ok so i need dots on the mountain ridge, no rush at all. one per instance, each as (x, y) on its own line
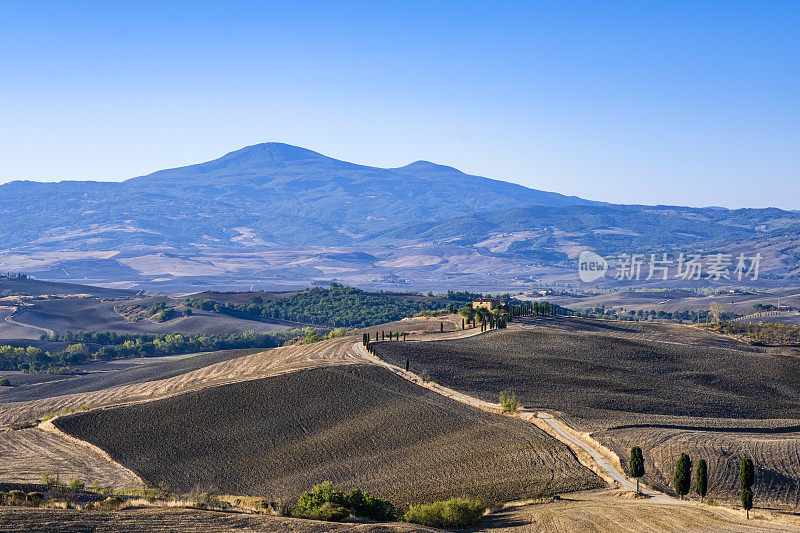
(279, 195)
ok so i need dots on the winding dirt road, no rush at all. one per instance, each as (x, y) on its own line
(559, 427)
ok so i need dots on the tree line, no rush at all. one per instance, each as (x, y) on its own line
(682, 477)
(86, 346)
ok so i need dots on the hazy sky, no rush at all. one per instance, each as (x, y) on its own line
(694, 103)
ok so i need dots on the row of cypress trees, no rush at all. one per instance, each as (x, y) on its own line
(682, 478)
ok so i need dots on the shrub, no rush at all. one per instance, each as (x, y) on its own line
(34, 499)
(48, 479)
(112, 503)
(16, 497)
(48, 416)
(4, 382)
(328, 511)
(366, 505)
(453, 513)
(164, 315)
(76, 484)
(509, 402)
(323, 502)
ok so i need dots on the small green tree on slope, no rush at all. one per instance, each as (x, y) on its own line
(746, 479)
(636, 465)
(683, 475)
(701, 479)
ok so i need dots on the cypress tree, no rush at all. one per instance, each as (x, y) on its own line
(683, 475)
(406, 364)
(746, 479)
(441, 327)
(747, 500)
(636, 465)
(701, 479)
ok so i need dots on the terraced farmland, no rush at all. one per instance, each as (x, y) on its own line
(357, 425)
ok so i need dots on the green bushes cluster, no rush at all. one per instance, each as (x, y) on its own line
(334, 306)
(509, 402)
(453, 513)
(325, 502)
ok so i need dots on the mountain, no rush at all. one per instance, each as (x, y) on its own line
(171, 223)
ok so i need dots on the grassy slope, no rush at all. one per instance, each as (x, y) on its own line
(359, 426)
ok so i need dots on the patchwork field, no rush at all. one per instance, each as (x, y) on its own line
(258, 365)
(358, 426)
(667, 388)
(104, 375)
(92, 314)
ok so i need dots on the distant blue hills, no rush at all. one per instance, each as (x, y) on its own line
(278, 194)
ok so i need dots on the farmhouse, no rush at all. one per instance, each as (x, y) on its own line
(486, 303)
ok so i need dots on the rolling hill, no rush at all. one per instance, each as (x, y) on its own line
(283, 216)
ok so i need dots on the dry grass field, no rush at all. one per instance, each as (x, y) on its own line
(166, 520)
(28, 453)
(608, 512)
(259, 365)
(724, 400)
(107, 374)
(359, 426)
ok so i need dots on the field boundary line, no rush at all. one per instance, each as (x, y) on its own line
(52, 428)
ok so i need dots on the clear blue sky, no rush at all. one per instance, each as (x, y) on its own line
(694, 103)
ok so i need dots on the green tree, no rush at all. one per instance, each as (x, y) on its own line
(636, 465)
(747, 477)
(701, 479)
(747, 501)
(683, 475)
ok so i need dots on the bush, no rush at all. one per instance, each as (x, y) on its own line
(325, 502)
(509, 402)
(76, 484)
(112, 503)
(34, 499)
(4, 382)
(453, 513)
(48, 479)
(16, 497)
(366, 505)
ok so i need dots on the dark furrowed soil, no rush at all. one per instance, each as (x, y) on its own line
(587, 374)
(105, 375)
(166, 520)
(359, 426)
